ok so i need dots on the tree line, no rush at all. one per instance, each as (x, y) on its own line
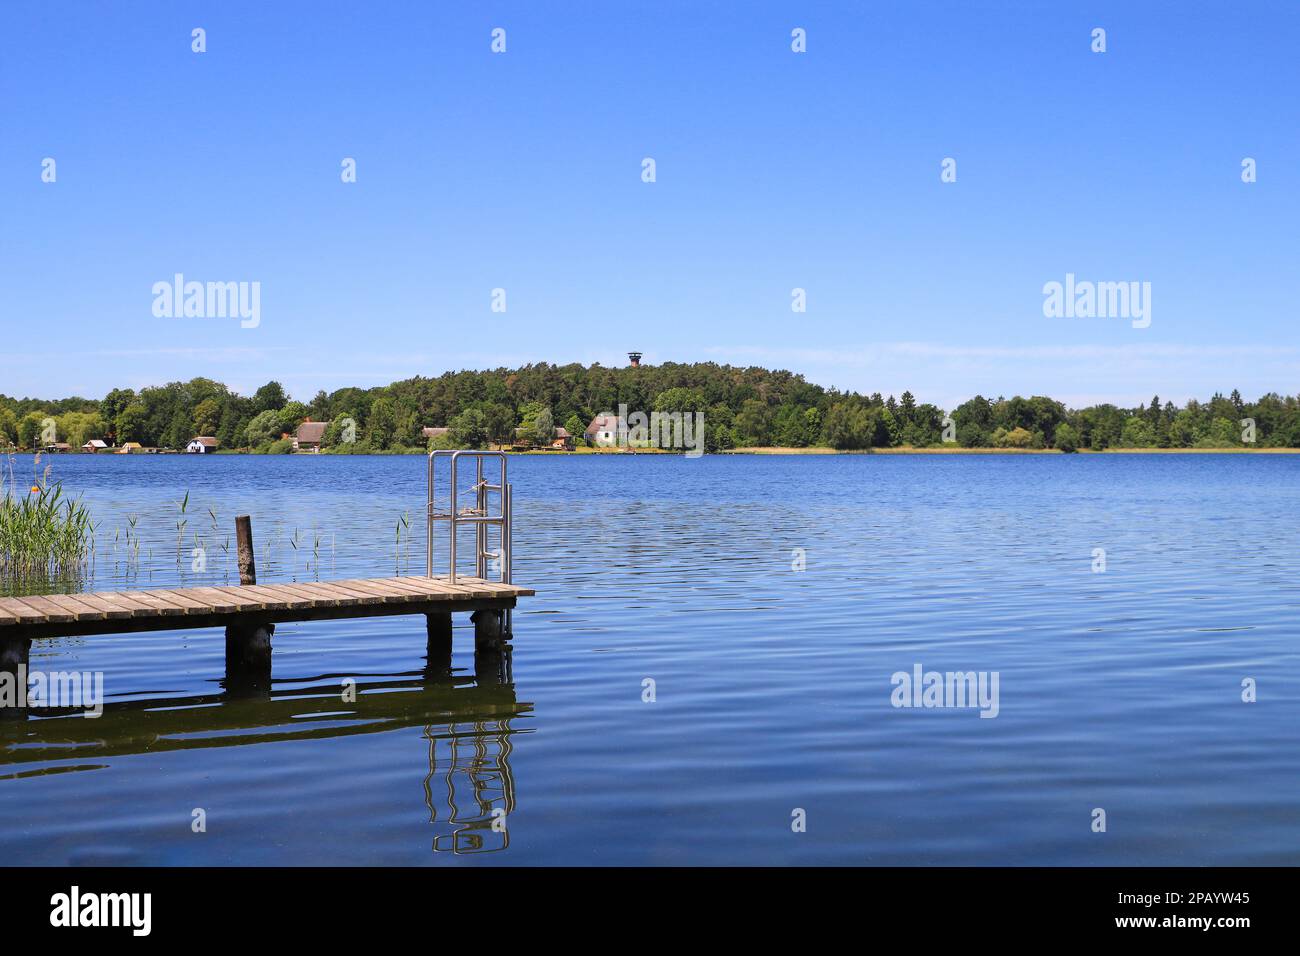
(743, 407)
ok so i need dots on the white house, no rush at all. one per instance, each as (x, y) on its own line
(604, 429)
(201, 445)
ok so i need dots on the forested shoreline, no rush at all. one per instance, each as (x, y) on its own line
(742, 407)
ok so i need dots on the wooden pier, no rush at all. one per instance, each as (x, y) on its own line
(116, 612)
(249, 614)
(250, 611)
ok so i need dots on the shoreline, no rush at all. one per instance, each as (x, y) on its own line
(775, 450)
(905, 450)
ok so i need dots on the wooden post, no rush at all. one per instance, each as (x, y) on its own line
(244, 541)
(492, 664)
(248, 642)
(14, 656)
(487, 626)
(438, 626)
(248, 659)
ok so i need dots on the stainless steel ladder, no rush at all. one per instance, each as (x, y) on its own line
(481, 515)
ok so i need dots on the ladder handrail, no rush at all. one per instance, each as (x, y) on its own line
(481, 517)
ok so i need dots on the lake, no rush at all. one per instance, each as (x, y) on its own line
(1119, 690)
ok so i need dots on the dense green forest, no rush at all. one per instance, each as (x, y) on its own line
(742, 407)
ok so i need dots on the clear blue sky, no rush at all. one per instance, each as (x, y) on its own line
(775, 171)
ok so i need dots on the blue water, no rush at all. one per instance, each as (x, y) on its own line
(1119, 690)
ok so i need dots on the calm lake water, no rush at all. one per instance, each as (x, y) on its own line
(1119, 690)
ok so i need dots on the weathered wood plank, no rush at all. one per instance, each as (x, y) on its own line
(271, 599)
(53, 612)
(408, 587)
(197, 602)
(182, 598)
(80, 610)
(228, 598)
(387, 595)
(348, 596)
(122, 600)
(107, 612)
(20, 613)
(467, 587)
(318, 595)
(160, 607)
(306, 593)
(248, 601)
(114, 610)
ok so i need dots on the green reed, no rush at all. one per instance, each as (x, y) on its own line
(42, 533)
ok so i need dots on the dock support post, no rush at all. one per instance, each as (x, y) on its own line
(488, 626)
(438, 626)
(493, 666)
(248, 643)
(14, 657)
(248, 658)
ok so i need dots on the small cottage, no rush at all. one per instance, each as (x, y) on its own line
(94, 446)
(309, 436)
(604, 429)
(202, 445)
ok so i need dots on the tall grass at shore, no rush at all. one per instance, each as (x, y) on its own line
(42, 533)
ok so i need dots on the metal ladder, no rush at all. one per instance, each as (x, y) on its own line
(480, 515)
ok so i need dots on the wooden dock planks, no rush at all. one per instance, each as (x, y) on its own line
(166, 608)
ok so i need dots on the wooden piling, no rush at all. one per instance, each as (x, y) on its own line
(14, 657)
(488, 627)
(248, 642)
(438, 627)
(13, 652)
(493, 664)
(244, 540)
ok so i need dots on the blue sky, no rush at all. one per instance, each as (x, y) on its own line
(775, 170)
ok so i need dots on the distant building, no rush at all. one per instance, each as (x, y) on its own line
(57, 448)
(604, 429)
(560, 440)
(309, 435)
(434, 432)
(94, 446)
(202, 445)
(634, 358)
(130, 448)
